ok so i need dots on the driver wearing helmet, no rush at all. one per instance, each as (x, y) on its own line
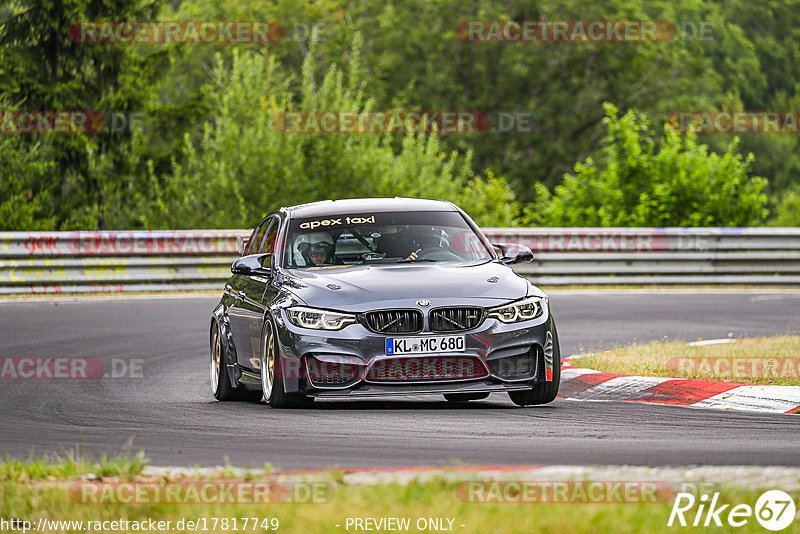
(319, 253)
(314, 250)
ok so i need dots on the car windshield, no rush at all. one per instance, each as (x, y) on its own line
(382, 238)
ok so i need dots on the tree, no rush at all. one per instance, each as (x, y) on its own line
(21, 170)
(242, 165)
(42, 69)
(635, 180)
(419, 61)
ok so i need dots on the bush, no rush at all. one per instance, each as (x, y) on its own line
(635, 181)
(788, 211)
(22, 198)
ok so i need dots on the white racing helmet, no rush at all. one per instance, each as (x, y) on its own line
(303, 243)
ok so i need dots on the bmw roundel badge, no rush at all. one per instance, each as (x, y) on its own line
(424, 303)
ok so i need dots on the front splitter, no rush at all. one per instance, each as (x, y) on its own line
(376, 390)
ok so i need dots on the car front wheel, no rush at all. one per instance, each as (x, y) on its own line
(542, 392)
(272, 389)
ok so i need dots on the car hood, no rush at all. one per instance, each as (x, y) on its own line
(358, 288)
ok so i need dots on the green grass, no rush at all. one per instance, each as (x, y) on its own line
(770, 360)
(71, 466)
(36, 495)
(434, 499)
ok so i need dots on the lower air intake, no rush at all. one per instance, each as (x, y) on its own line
(516, 367)
(427, 368)
(331, 373)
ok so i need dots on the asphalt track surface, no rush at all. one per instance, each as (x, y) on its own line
(169, 413)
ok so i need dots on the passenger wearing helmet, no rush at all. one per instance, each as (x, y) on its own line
(409, 243)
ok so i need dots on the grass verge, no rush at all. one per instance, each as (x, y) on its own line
(769, 361)
(49, 492)
(71, 465)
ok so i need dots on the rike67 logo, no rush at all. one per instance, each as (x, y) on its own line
(774, 510)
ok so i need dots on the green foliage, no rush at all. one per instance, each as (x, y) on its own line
(787, 212)
(637, 181)
(242, 166)
(758, 54)
(209, 155)
(42, 69)
(419, 61)
(21, 199)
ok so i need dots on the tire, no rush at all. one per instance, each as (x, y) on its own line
(464, 397)
(542, 392)
(272, 390)
(220, 380)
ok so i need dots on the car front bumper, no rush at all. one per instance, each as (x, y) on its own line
(515, 357)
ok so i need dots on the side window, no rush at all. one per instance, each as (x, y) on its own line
(257, 237)
(268, 247)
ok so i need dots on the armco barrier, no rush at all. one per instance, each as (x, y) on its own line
(657, 255)
(113, 262)
(89, 262)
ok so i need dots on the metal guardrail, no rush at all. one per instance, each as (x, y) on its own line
(94, 262)
(115, 262)
(602, 256)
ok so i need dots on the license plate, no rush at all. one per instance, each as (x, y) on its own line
(424, 345)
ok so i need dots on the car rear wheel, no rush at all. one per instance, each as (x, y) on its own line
(220, 381)
(464, 397)
(272, 389)
(542, 392)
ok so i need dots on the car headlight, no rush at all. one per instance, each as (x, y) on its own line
(319, 319)
(522, 310)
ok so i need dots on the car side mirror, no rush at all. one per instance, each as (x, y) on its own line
(511, 253)
(260, 264)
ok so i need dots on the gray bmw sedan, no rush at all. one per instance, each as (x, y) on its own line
(381, 296)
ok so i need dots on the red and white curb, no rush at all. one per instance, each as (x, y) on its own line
(587, 384)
